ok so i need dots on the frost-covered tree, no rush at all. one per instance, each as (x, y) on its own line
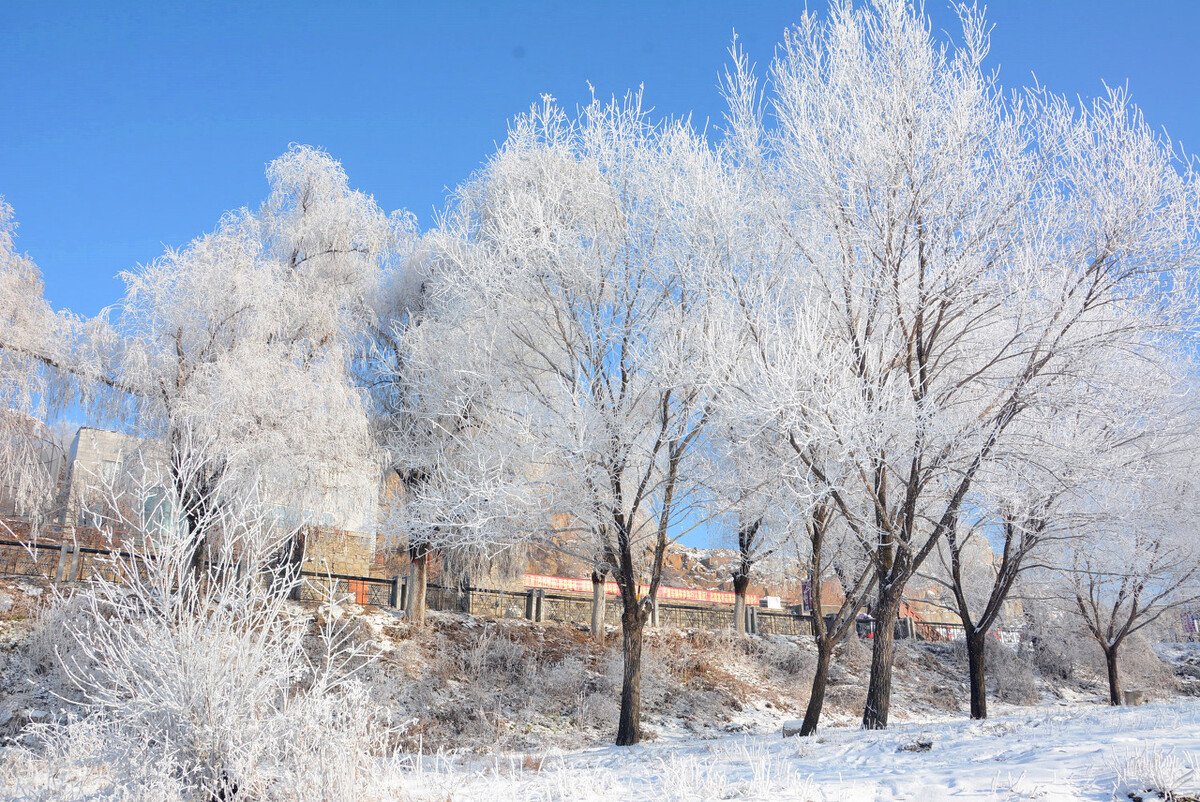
(958, 253)
(744, 502)
(430, 402)
(580, 267)
(1135, 557)
(394, 389)
(45, 364)
(1028, 500)
(244, 337)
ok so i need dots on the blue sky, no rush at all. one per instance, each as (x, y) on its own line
(127, 126)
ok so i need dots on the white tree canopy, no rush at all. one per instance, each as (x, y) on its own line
(48, 360)
(244, 338)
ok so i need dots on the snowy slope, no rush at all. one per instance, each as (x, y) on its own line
(1061, 753)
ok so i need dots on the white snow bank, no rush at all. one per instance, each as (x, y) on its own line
(1068, 753)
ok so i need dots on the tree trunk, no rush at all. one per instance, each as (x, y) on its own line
(629, 727)
(1114, 679)
(598, 608)
(816, 699)
(740, 583)
(417, 579)
(883, 655)
(977, 668)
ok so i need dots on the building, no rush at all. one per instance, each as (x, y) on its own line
(103, 470)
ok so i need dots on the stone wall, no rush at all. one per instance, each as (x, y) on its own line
(335, 551)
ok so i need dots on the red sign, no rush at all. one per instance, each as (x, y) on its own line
(610, 588)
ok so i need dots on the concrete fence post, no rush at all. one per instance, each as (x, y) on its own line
(73, 576)
(64, 562)
(394, 598)
(539, 605)
(751, 620)
(530, 604)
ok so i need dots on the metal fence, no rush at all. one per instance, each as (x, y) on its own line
(40, 560)
(363, 590)
(67, 562)
(540, 605)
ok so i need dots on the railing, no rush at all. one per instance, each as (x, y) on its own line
(930, 631)
(41, 560)
(364, 590)
(66, 562)
(540, 605)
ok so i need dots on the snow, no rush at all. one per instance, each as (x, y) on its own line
(1065, 752)
(702, 746)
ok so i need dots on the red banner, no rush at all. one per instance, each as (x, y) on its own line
(610, 588)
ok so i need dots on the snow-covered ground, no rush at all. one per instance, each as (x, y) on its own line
(1067, 752)
(516, 711)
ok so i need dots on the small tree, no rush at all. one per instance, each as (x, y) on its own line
(831, 555)
(1027, 502)
(1138, 559)
(742, 493)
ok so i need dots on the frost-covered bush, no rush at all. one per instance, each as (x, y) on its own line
(1054, 659)
(1053, 643)
(784, 655)
(1008, 676)
(1143, 669)
(494, 656)
(496, 686)
(45, 650)
(199, 678)
(1158, 774)
(854, 654)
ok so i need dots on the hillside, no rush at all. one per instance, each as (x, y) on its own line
(508, 685)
